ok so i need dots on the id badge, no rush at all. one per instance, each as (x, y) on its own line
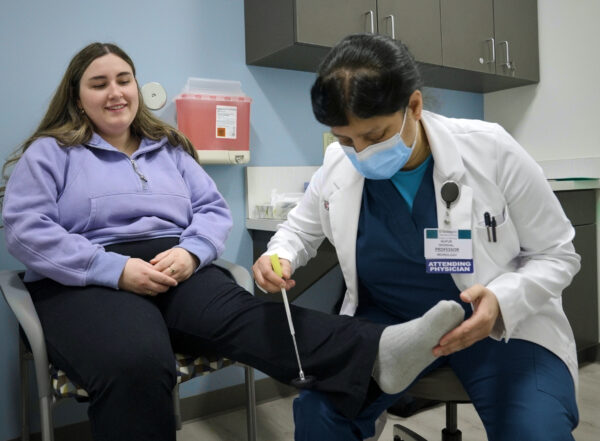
(448, 251)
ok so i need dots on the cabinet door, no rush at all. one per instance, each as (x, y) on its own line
(467, 29)
(416, 23)
(325, 22)
(517, 38)
(580, 299)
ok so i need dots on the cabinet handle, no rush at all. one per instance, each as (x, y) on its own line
(508, 64)
(371, 14)
(391, 17)
(493, 59)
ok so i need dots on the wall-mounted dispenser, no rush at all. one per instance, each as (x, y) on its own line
(215, 116)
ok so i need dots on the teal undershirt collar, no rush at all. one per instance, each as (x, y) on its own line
(408, 182)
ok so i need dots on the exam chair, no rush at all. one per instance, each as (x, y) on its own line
(53, 384)
(440, 385)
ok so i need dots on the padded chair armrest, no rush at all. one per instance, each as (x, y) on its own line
(17, 296)
(239, 273)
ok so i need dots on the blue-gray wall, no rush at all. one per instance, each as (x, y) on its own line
(168, 41)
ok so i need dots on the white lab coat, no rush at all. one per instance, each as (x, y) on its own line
(527, 268)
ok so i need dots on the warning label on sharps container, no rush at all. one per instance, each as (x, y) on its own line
(226, 122)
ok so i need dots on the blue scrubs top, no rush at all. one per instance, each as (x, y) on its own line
(390, 255)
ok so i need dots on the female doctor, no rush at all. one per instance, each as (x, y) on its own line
(420, 208)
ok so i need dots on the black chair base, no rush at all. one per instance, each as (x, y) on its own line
(449, 433)
(402, 433)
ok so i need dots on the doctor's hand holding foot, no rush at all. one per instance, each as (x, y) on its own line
(475, 328)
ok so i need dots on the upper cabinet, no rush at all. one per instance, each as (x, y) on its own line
(491, 36)
(472, 45)
(516, 32)
(324, 23)
(416, 23)
(468, 34)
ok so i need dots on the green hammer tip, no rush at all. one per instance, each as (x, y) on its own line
(275, 264)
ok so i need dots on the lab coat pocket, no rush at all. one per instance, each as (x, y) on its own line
(506, 247)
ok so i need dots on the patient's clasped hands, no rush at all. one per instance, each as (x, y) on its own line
(164, 271)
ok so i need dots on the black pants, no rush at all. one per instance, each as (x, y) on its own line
(119, 346)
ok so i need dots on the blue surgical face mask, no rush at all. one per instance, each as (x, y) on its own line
(384, 159)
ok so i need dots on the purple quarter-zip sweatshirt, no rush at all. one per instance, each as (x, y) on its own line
(64, 204)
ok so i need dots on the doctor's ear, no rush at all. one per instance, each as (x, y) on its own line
(415, 104)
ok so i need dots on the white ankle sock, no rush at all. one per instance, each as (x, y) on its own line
(405, 349)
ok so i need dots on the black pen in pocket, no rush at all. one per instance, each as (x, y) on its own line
(488, 225)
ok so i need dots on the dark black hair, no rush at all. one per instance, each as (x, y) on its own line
(364, 75)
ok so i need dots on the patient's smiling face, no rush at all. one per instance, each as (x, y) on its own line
(108, 94)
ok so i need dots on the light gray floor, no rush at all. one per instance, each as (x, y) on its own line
(275, 419)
